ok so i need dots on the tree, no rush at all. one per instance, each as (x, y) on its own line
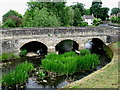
(95, 8)
(57, 8)
(69, 15)
(14, 16)
(103, 13)
(11, 13)
(42, 18)
(77, 17)
(80, 6)
(115, 11)
(9, 23)
(87, 12)
(98, 11)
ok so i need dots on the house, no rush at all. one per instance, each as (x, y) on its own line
(88, 19)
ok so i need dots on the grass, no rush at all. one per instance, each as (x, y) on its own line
(8, 56)
(69, 63)
(107, 77)
(19, 75)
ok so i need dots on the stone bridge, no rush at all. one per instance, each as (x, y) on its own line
(13, 39)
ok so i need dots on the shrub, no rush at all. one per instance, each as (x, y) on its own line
(7, 56)
(19, 75)
(69, 63)
(23, 52)
(97, 21)
(115, 20)
(9, 23)
(83, 24)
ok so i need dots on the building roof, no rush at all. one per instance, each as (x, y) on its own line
(88, 17)
(97, 1)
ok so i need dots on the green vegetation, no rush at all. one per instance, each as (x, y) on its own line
(12, 19)
(42, 18)
(19, 75)
(98, 11)
(23, 52)
(115, 20)
(84, 52)
(8, 56)
(115, 11)
(41, 74)
(107, 77)
(118, 44)
(69, 63)
(97, 21)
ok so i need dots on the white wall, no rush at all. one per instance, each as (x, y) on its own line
(89, 21)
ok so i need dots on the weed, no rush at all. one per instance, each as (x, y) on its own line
(19, 75)
(41, 74)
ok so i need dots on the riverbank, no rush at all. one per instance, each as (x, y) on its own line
(107, 77)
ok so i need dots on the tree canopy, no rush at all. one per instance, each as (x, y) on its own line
(98, 11)
(12, 19)
(115, 11)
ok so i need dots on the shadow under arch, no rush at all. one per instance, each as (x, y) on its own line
(34, 46)
(97, 46)
(66, 46)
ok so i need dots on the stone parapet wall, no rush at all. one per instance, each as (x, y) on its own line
(58, 30)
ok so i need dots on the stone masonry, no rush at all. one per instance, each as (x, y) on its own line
(13, 39)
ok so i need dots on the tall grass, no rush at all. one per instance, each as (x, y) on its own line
(84, 52)
(7, 56)
(19, 75)
(69, 62)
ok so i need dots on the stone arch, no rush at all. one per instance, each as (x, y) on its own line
(66, 45)
(34, 46)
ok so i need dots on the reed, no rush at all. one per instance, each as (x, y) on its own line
(19, 75)
(69, 62)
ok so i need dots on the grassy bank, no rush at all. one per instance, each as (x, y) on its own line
(107, 77)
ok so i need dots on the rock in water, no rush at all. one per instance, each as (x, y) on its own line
(31, 54)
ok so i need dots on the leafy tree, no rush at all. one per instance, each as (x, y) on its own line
(11, 13)
(14, 16)
(103, 13)
(80, 6)
(95, 8)
(115, 11)
(77, 17)
(87, 12)
(69, 15)
(9, 23)
(98, 11)
(57, 8)
(42, 18)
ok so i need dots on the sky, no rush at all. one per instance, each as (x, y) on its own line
(21, 5)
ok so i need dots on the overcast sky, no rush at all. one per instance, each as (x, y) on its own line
(20, 5)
